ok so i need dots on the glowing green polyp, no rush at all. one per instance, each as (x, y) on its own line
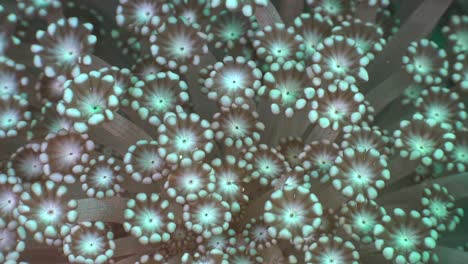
(310, 42)
(192, 184)
(237, 129)
(460, 153)
(93, 105)
(412, 92)
(332, 7)
(8, 121)
(232, 31)
(404, 240)
(102, 177)
(143, 16)
(161, 102)
(227, 186)
(184, 142)
(94, 109)
(337, 67)
(207, 215)
(438, 113)
(232, 83)
(438, 209)
(266, 167)
(49, 214)
(364, 223)
(421, 147)
(280, 50)
(149, 221)
(359, 179)
(68, 56)
(422, 65)
(90, 245)
(289, 94)
(335, 113)
(291, 218)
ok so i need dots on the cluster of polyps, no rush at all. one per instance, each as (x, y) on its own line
(239, 131)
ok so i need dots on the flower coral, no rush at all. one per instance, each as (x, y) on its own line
(89, 242)
(26, 164)
(288, 87)
(367, 36)
(265, 164)
(144, 163)
(358, 219)
(12, 77)
(178, 44)
(61, 152)
(332, 250)
(46, 213)
(9, 23)
(188, 183)
(100, 177)
(277, 43)
(48, 121)
(405, 237)
(359, 174)
(340, 58)
(90, 99)
(50, 89)
(420, 140)
(292, 214)
(14, 115)
(318, 157)
(233, 131)
(364, 138)
(10, 192)
(291, 148)
(232, 31)
(149, 218)
(63, 47)
(337, 105)
(237, 126)
(156, 94)
(314, 29)
(425, 63)
(231, 79)
(440, 205)
(184, 137)
(208, 215)
(441, 106)
(142, 16)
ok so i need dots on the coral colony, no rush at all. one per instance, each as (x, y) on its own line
(234, 131)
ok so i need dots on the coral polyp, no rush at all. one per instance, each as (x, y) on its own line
(45, 212)
(89, 242)
(234, 131)
(90, 99)
(63, 47)
(149, 218)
